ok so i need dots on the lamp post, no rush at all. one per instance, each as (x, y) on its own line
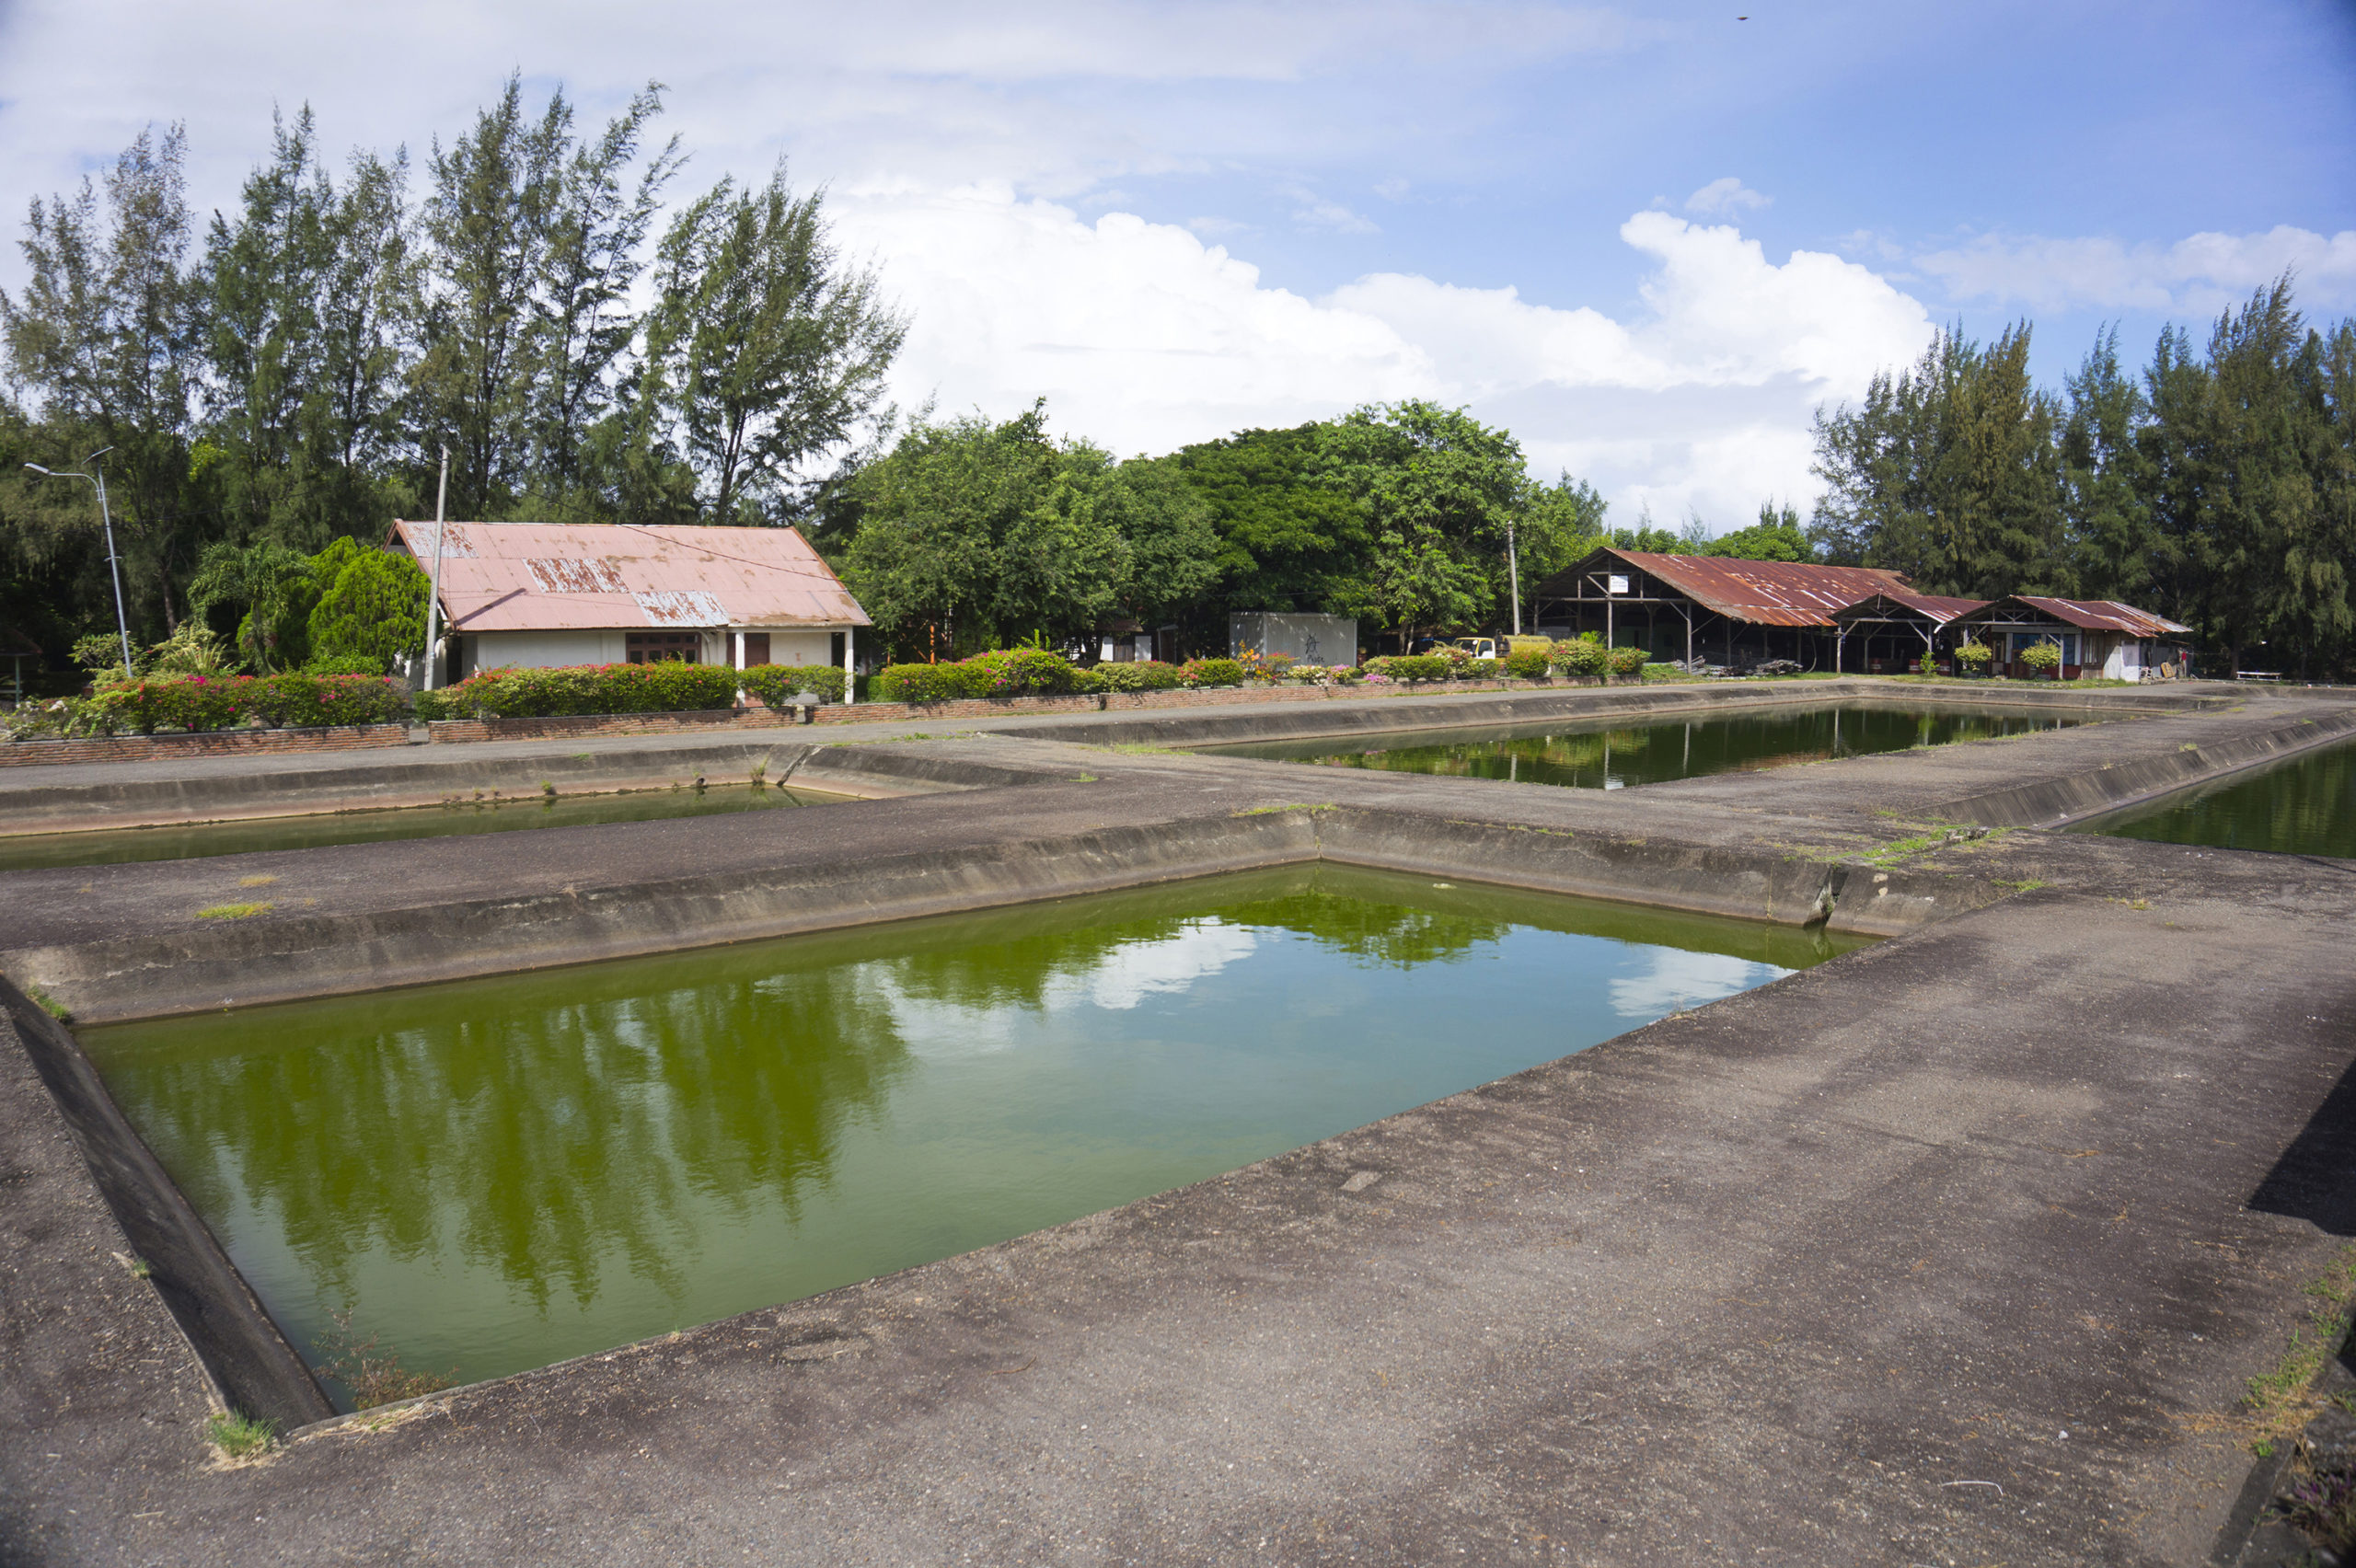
(114, 566)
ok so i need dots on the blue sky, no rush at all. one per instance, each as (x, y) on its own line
(1651, 239)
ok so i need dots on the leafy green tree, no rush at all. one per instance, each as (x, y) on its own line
(2106, 511)
(271, 590)
(372, 605)
(1559, 525)
(1949, 471)
(1437, 488)
(488, 215)
(1172, 546)
(773, 347)
(1286, 541)
(104, 341)
(1777, 536)
(973, 534)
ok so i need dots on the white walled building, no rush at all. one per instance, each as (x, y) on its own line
(551, 594)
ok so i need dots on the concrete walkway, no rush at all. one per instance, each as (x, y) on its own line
(1956, 1249)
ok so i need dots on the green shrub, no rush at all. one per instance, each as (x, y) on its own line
(927, 683)
(667, 687)
(372, 609)
(1212, 672)
(1529, 663)
(2042, 655)
(1660, 672)
(1974, 655)
(300, 700)
(778, 685)
(1144, 674)
(1477, 670)
(1025, 671)
(1584, 656)
(1627, 661)
(1412, 667)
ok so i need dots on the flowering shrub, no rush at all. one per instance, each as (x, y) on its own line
(1144, 674)
(1529, 663)
(1321, 675)
(778, 685)
(669, 686)
(1584, 656)
(218, 702)
(1627, 661)
(1026, 672)
(1212, 672)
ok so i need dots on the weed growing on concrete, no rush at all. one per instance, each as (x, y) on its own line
(2189, 745)
(2025, 884)
(549, 789)
(239, 1436)
(1084, 778)
(2280, 1402)
(48, 1004)
(139, 1267)
(2132, 903)
(375, 1376)
(1269, 810)
(256, 882)
(233, 911)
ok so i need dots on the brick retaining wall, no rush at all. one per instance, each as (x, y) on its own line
(445, 731)
(201, 742)
(1212, 696)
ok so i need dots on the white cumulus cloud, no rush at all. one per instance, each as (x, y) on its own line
(1727, 196)
(1143, 337)
(2202, 274)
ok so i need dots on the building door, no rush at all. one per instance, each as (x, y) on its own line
(757, 650)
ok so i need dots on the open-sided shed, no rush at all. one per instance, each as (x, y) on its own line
(2100, 637)
(1892, 629)
(1687, 606)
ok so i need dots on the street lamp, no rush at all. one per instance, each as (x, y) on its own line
(114, 566)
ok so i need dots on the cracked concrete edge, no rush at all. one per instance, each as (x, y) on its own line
(232, 964)
(2080, 797)
(250, 1366)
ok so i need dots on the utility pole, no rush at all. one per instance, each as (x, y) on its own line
(433, 593)
(114, 565)
(1513, 573)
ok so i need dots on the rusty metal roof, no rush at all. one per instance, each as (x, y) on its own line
(2105, 614)
(2091, 615)
(554, 576)
(1760, 593)
(1936, 607)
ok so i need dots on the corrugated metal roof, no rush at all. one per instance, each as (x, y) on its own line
(553, 576)
(2101, 615)
(1760, 593)
(1936, 607)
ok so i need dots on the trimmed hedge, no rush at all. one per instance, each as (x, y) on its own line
(778, 685)
(224, 702)
(1529, 663)
(1143, 674)
(669, 686)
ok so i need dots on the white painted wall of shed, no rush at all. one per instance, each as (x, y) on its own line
(543, 649)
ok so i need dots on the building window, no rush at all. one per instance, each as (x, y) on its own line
(757, 650)
(655, 647)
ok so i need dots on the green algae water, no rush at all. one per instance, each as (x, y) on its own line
(1602, 755)
(2305, 806)
(495, 1174)
(111, 846)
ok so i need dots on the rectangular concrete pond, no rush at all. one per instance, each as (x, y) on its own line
(1614, 753)
(2303, 806)
(110, 846)
(495, 1174)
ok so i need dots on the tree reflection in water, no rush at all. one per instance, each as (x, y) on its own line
(1592, 757)
(499, 1172)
